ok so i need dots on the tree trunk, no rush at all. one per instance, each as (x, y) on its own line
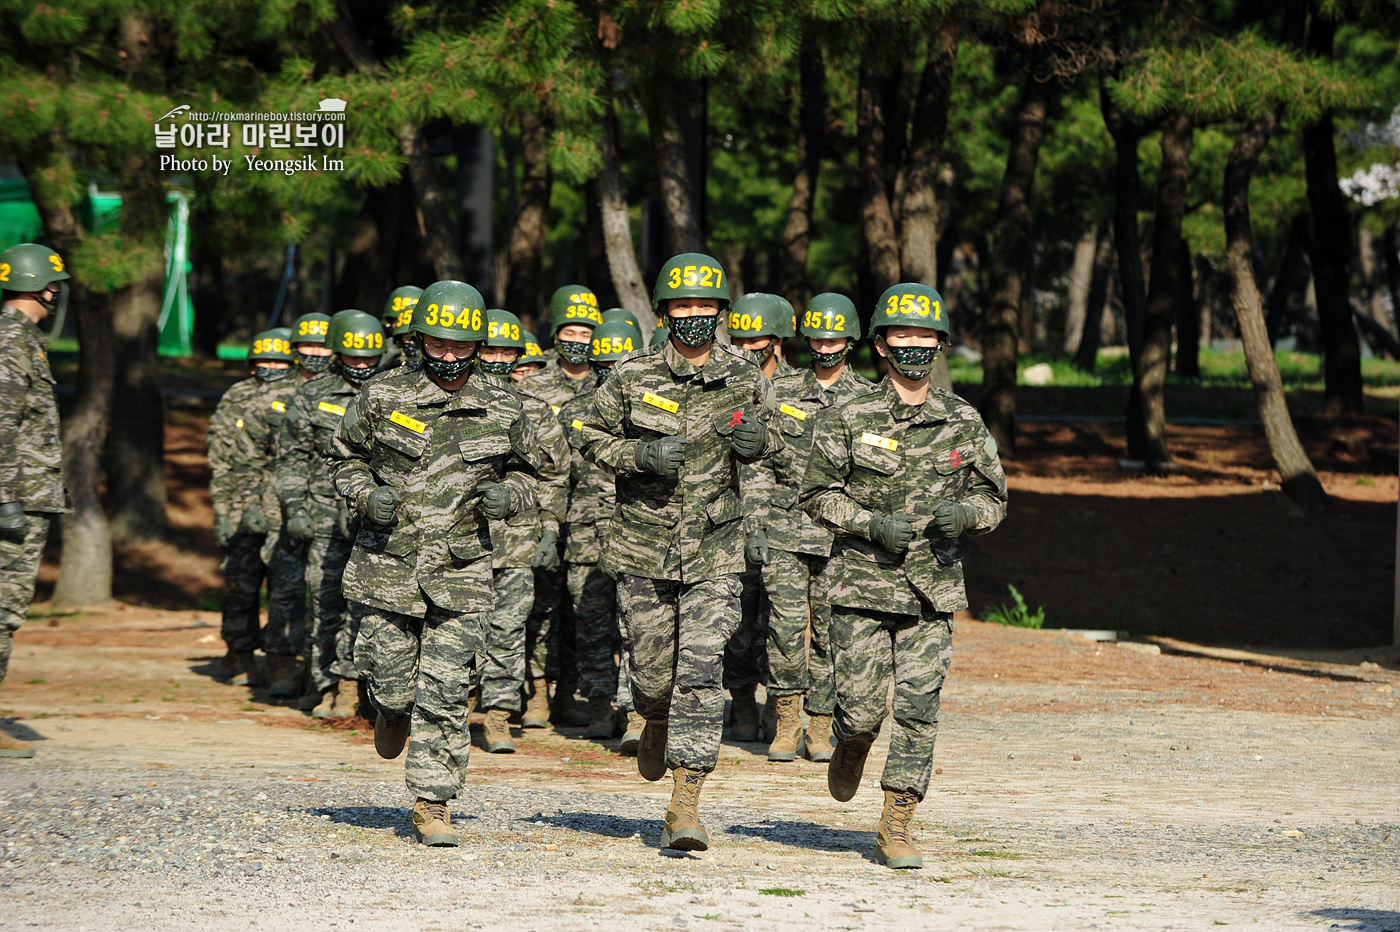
(368, 259)
(1010, 252)
(1331, 252)
(524, 296)
(595, 252)
(1292, 277)
(1390, 247)
(876, 211)
(1299, 479)
(1127, 184)
(793, 283)
(1371, 272)
(1188, 316)
(434, 209)
(1101, 283)
(680, 191)
(1081, 275)
(617, 229)
(1147, 414)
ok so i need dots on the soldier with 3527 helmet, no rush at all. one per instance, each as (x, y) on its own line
(523, 543)
(397, 316)
(244, 439)
(316, 515)
(900, 472)
(427, 458)
(675, 422)
(34, 280)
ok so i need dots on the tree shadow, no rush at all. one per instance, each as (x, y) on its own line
(395, 818)
(1365, 920)
(809, 836)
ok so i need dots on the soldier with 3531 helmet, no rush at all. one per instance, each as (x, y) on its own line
(315, 514)
(532, 361)
(399, 348)
(427, 458)
(675, 422)
(34, 280)
(900, 473)
(522, 543)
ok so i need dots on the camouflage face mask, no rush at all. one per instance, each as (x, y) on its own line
(761, 356)
(827, 360)
(357, 376)
(500, 369)
(448, 371)
(411, 352)
(269, 374)
(602, 371)
(694, 331)
(570, 351)
(313, 364)
(912, 362)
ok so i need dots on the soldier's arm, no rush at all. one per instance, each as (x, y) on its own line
(604, 440)
(765, 407)
(295, 457)
(523, 464)
(987, 492)
(823, 494)
(756, 484)
(221, 485)
(553, 488)
(15, 382)
(351, 448)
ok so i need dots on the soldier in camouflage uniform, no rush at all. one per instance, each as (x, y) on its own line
(900, 473)
(427, 458)
(675, 422)
(243, 440)
(317, 516)
(533, 360)
(31, 458)
(399, 348)
(525, 542)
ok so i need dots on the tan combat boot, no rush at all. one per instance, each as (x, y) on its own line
(432, 824)
(819, 738)
(651, 751)
(347, 697)
(601, 717)
(788, 731)
(495, 736)
(326, 707)
(247, 673)
(683, 829)
(390, 735)
(893, 839)
(284, 673)
(844, 771)
(537, 706)
(11, 746)
(632, 737)
(768, 716)
(564, 709)
(743, 714)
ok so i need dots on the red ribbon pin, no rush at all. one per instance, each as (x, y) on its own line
(954, 459)
(736, 419)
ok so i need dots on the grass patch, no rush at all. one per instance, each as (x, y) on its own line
(1005, 855)
(37, 681)
(1018, 615)
(782, 891)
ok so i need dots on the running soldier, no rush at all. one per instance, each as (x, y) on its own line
(397, 317)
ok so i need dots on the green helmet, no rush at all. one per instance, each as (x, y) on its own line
(450, 311)
(398, 308)
(614, 341)
(830, 316)
(617, 313)
(759, 315)
(660, 335)
(271, 346)
(355, 333)
(502, 329)
(30, 267)
(534, 353)
(691, 275)
(911, 305)
(311, 328)
(573, 304)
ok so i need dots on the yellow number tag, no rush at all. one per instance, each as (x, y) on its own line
(240, 422)
(576, 424)
(279, 407)
(790, 411)
(4, 271)
(875, 440)
(556, 408)
(337, 410)
(665, 404)
(403, 420)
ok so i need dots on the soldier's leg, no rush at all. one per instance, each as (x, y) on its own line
(785, 580)
(323, 619)
(624, 699)
(503, 658)
(708, 616)
(386, 656)
(19, 567)
(243, 576)
(594, 598)
(439, 742)
(744, 650)
(540, 634)
(646, 610)
(340, 659)
(923, 652)
(864, 662)
(286, 598)
(821, 672)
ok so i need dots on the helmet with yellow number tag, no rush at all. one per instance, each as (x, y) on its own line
(359, 336)
(398, 308)
(573, 304)
(614, 341)
(31, 268)
(311, 328)
(626, 316)
(534, 353)
(450, 310)
(911, 305)
(830, 316)
(758, 314)
(690, 275)
(272, 346)
(502, 329)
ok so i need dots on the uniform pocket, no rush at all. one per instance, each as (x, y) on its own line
(723, 509)
(961, 456)
(661, 515)
(410, 443)
(484, 446)
(874, 459)
(650, 418)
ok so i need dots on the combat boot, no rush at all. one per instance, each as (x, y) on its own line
(432, 824)
(228, 664)
(495, 736)
(476, 720)
(537, 705)
(326, 707)
(819, 738)
(632, 737)
(601, 715)
(285, 675)
(683, 830)
(651, 751)
(564, 709)
(11, 746)
(390, 735)
(844, 772)
(788, 732)
(893, 839)
(743, 714)
(247, 673)
(769, 717)
(347, 695)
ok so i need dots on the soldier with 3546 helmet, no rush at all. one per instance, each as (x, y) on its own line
(675, 422)
(316, 515)
(34, 279)
(523, 543)
(427, 458)
(900, 473)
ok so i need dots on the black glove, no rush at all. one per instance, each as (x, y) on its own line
(299, 525)
(253, 521)
(663, 457)
(747, 440)
(756, 548)
(381, 505)
(953, 519)
(14, 526)
(893, 532)
(546, 552)
(495, 501)
(342, 519)
(223, 532)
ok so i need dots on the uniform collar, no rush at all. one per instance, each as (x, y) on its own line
(577, 385)
(932, 411)
(713, 370)
(815, 392)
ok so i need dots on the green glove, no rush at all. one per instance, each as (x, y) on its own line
(253, 521)
(381, 505)
(342, 519)
(14, 526)
(495, 501)
(663, 457)
(952, 519)
(547, 552)
(299, 525)
(223, 532)
(893, 532)
(756, 548)
(748, 438)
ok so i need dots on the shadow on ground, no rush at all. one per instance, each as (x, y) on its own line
(390, 817)
(806, 835)
(1361, 920)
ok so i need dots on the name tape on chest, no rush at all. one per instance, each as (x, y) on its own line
(665, 404)
(279, 407)
(240, 422)
(337, 410)
(793, 412)
(576, 424)
(403, 420)
(875, 440)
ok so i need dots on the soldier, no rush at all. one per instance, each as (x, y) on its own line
(243, 437)
(675, 421)
(309, 339)
(900, 472)
(397, 317)
(427, 458)
(659, 336)
(532, 361)
(526, 542)
(626, 316)
(31, 458)
(317, 516)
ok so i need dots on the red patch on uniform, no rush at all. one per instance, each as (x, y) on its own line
(736, 419)
(954, 459)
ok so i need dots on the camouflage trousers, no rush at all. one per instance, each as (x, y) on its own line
(422, 667)
(869, 649)
(329, 642)
(244, 571)
(594, 597)
(675, 635)
(19, 567)
(745, 660)
(549, 631)
(792, 582)
(623, 697)
(502, 661)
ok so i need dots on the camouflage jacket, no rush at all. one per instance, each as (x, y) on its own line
(682, 527)
(554, 385)
(592, 491)
(875, 454)
(771, 486)
(514, 539)
(31, 458)
(303, 468)
(244, 438)
(437, 448)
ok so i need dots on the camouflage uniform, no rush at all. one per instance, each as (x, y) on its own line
(31, 464)
(677, 543)
(424, 582)
(243, 440)
(892, 615)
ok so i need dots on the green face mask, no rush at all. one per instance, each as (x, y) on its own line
(313, 364)
(411, 352)
(501, 369)
(602, 371)
(761, 356)
(570, 351)
(448, 371)
(268, 374)
(912, 362)
(694, 331)
(357, 376)
(827, 360)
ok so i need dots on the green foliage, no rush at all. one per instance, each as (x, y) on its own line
(1018, 615)
(782, 891)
